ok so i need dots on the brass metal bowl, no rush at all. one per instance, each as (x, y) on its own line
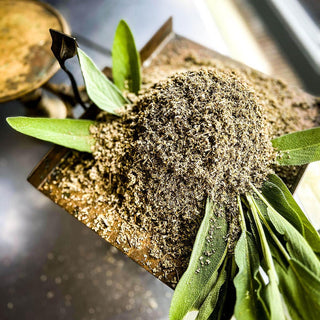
(26, 58)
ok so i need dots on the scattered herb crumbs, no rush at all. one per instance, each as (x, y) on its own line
(197, 134)
(95, 180)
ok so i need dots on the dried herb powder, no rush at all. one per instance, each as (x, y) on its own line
(197, 134)
(203, 131)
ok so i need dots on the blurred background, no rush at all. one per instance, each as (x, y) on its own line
(52, 266)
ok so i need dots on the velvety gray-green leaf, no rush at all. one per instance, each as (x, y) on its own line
(211, 300)
(99, 88)
(299, 147)
(299, 257)
(298, 248)
(281, 199)
(309, 280)
(125, 59)
(293, 294)
(208, 254)
(301, 263)
(279, 202)
(71, 133)
(221, 312)
(273, 298)
(247, 258)
(300, 291)
(227, 296)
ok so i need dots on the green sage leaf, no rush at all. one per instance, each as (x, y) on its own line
(247, 281)
(208, 254)
(125, 59)
(99, 88)
(272, 297)
(276, 254)
(281, 199)
(253, 230)
(283, 204)
(301, 258)
(309, 280)
(298, 248)
(223, 310)
(211, 300)
(224, 307)
(71, 133)
(296, 298)
(299, 147)
(301, 265)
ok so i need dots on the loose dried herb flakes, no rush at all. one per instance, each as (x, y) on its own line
(101, 182)
(197, 134)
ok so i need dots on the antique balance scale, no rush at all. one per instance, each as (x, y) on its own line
(27, 61)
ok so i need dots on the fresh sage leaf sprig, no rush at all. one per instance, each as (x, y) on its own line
(298, 148)
(289, 263)
(125, 59)
(272, 297)
(70, 133)
(278, 273)
(125, 67)
(280, 198)
(298, 302)
(198, 289)
(100, 89)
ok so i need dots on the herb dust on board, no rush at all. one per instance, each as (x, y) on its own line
(198, 133)
(194, 135)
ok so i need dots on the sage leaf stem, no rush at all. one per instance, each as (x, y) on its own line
(267, 226)
(208, 254)
(246, 284)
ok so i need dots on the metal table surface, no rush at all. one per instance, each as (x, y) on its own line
(52, 266)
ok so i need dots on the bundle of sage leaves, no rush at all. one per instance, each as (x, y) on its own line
(274, 271)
